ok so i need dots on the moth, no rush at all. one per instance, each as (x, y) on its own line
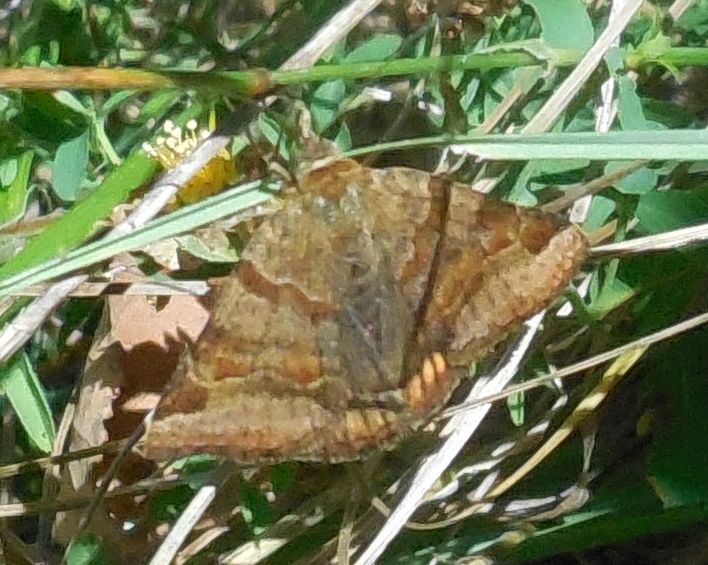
(353, 314)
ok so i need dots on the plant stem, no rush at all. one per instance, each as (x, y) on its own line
(679, 57)
(246, 83)
(255, 82)
(398, 67)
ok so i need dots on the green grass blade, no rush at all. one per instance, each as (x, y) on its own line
(83, 219)
(21, 385)
(181, 221)
(673, 144)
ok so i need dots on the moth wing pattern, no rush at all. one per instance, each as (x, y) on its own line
(353, 313)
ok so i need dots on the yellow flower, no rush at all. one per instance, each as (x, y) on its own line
(178, 143)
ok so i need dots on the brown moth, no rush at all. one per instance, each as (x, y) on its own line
(353, 314)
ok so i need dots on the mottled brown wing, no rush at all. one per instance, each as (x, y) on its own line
(353, 313)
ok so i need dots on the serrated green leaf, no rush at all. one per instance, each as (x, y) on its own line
(69, 168)
(21, 385)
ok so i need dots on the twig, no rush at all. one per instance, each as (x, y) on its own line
(200, 543)
(81, 500)
(653, 243)
(151, 288)
(108, 476)
(20, 329)
(592, 187)
(52, 474)
(335, 29)
(14, 469)
(13, 545)
(679, 8)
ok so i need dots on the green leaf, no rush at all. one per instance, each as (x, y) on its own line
(21, 385)
(631, 117)
(65, 5)
(157, 105)
(343, 138)
(87, 550)
(601, 209)
(663, 211)
(215, 254)
(516, 404)
(69, 169)
(283, 477)
(326, 100)
(565, 23)
(274, 133)
(695, 19)
(614, 59)
(72, 102)
(608, 291)
(47, 118)
(641, 181)
(256, 510)
(13, 199)
(378, 48)
(629, 105)
(8, 171)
